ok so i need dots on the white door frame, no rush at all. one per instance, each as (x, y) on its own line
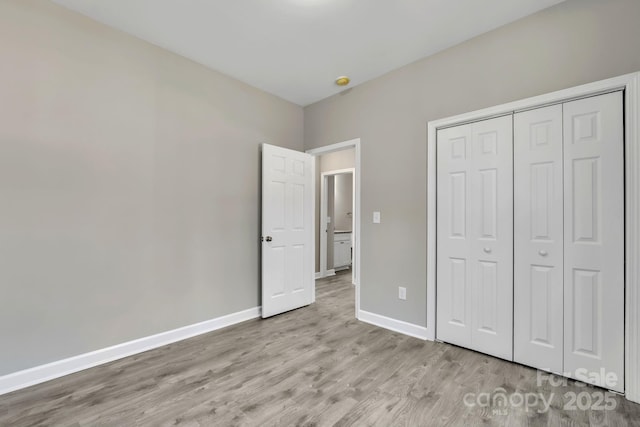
(324, 202)
(353, 143)
(630, 83)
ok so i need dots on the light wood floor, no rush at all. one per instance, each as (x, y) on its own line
(315, 366)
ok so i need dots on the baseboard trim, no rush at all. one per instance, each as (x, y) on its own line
(329, 273)
(393, 324)
(39, 374)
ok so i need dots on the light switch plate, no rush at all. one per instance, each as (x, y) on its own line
(376, 217)
(402, 293)
(328, 220)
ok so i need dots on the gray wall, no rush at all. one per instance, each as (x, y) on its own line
(576, 42)
(129, 183)
(340, 201)
(343, 159)
(330, 227)
(343, 207)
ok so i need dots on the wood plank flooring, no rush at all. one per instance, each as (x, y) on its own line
(316, 366)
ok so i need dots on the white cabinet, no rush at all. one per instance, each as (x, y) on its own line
(341, 250)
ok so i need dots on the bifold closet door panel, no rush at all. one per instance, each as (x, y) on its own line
(475, 236)
(454, 248)
(538, 239)
(491, 221)
(594, 239)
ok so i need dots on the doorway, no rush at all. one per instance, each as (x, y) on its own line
(321, 243)
(337, 188)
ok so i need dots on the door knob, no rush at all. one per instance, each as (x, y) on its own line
(268, 238)
(542, 252)
(487, 250)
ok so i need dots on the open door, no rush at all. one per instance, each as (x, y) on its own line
(287, 230)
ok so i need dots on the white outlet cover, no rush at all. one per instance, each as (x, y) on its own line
(328, 220)
(402, 293)
(376, 217)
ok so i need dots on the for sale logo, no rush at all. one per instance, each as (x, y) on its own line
(602, 378)
(500, 401)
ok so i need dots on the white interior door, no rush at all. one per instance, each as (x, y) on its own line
(475, 236)
(287, 230)
(594, 239)
(538, 239)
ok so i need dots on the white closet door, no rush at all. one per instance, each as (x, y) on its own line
(491, 215)
(475, 236)
(594, 240)
(454, 240)
(538, 239)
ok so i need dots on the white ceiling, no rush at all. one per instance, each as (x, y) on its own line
(296, 48)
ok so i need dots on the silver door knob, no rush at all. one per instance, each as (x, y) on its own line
(542, 252)
(487, 250)
(269, 238)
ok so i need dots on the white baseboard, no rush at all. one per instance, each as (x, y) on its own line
(393, 324)
(50, 371)
(330, 273)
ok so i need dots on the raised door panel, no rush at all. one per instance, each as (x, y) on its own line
(275, 223)
(491, 237)
(538, 239)
(453, 243)
(594, 240)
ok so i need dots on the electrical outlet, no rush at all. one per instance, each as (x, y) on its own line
(376, 217)
(402, 293)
